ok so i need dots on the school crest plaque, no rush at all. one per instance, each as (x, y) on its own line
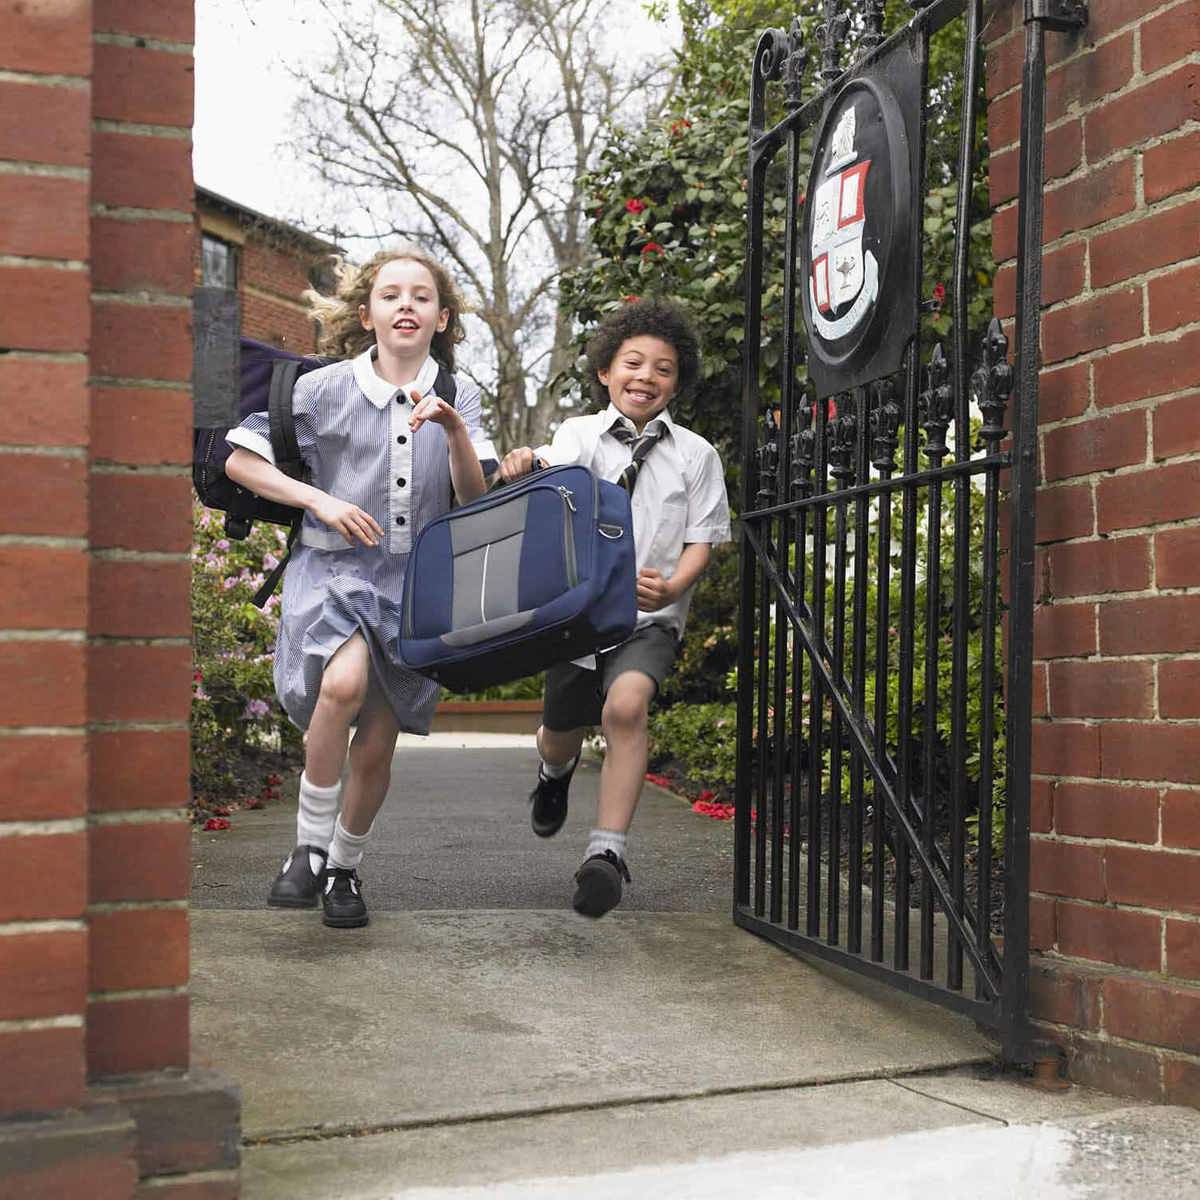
(859, 245)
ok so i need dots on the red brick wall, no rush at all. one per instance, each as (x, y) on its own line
(1116, 845)
(45, 319)
(95, 366)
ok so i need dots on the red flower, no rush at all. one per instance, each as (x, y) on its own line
(939, 296)
(220, 810)
(832, 408)
(631, 298)
(659, 781)
(706, 795)
(709, 808)
(677, 127)
(651, 248)
(216, 823)
(252, 802)
(273, 780)
(635, 206)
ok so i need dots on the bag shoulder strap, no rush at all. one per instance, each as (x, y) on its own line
(279, 410)
(444, 386)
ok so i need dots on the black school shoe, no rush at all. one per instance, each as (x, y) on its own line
(598, 884)
(549, 799)
(342, 899)
(296, 886)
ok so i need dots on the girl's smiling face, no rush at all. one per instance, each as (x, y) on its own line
(404, 311)
(642, 378)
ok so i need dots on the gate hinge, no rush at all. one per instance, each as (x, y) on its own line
(1063, 16)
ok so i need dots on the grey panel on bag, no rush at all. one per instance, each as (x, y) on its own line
(501, 578)
(467, 588)
(471, 634)
(469, 532)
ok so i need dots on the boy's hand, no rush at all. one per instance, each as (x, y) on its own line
(348, 519)
(433, 409)
(653, 590)
(515, 464)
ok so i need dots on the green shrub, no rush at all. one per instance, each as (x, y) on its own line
(700, 738)
(235, 716)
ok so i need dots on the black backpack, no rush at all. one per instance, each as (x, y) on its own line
(266, 377)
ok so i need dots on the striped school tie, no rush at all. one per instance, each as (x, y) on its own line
(642, 445)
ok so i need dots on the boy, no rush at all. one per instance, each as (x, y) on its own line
(640, 358)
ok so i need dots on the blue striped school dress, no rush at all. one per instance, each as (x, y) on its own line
(352, 429)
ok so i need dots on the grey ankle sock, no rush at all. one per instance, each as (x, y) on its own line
(606, 839)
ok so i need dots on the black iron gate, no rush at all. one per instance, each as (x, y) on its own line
(884, 756)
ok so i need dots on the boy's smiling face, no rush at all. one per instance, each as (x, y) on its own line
(642, 378)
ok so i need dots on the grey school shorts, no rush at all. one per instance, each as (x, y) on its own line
(575, 695)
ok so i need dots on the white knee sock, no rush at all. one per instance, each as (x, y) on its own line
(346, 849)
(606, 839)
(318, 808)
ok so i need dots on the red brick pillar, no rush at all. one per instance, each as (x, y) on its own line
(1116, 807)
(95, 363)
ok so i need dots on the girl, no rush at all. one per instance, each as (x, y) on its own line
(385, 455)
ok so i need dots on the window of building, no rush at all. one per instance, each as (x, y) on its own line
(218, 263)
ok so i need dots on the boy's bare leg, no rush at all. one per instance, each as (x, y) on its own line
(370, 761)
(624, 721)
(343, 689)
(558, 748)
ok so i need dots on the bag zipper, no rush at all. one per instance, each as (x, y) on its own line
(568, 498)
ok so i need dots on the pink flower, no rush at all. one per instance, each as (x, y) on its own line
(213, 824)
(631, 298)
(255, 709)
(635, 206)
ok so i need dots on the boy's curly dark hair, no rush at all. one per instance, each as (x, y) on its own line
(645, 318)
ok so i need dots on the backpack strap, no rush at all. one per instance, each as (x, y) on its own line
(284, 446)
(444, 386)
(272, 581)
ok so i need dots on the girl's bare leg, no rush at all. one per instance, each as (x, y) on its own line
(343, 690)
(370, 761)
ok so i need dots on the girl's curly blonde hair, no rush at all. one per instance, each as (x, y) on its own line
(342, 334)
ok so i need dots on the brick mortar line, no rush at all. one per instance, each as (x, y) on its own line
(168, 385)
(1134, 468)
(150, 470)
(51, 170)
(42, 541)
(50, 828)
(1140, 212)
(1076, 839)
(36, 1024)
(1145, 404)
(149, 1187)
(1116, 906)
(1135, 973)
(31, 261)
(1163, 527)
(142, 556)
(21, 634)
(137, 726)
(1140, 280)
(118, 994)
(118, 212)
(1089, 722)
(71, 356)
(137, 42)
(1099, 353)
(77, 83)
(174, 133)
(44, 451)
(101, 639)
(143, 298)
(1146, 784)
(24, 928)
(43, 731)
(140, 816)
(275, 298)
(1151, 656)
(113, 906)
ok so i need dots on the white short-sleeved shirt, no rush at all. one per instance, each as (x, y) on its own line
(679, 497)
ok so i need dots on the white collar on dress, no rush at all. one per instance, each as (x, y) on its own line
(378, 390)
(612, 415)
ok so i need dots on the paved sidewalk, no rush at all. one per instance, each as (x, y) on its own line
(479, 1034)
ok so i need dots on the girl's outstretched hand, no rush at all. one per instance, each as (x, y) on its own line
(348, 519)
(432, 409)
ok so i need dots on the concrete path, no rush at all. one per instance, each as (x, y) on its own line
(478, 1033)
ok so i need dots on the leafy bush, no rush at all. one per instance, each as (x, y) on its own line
(700, 738)
(236, 721)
